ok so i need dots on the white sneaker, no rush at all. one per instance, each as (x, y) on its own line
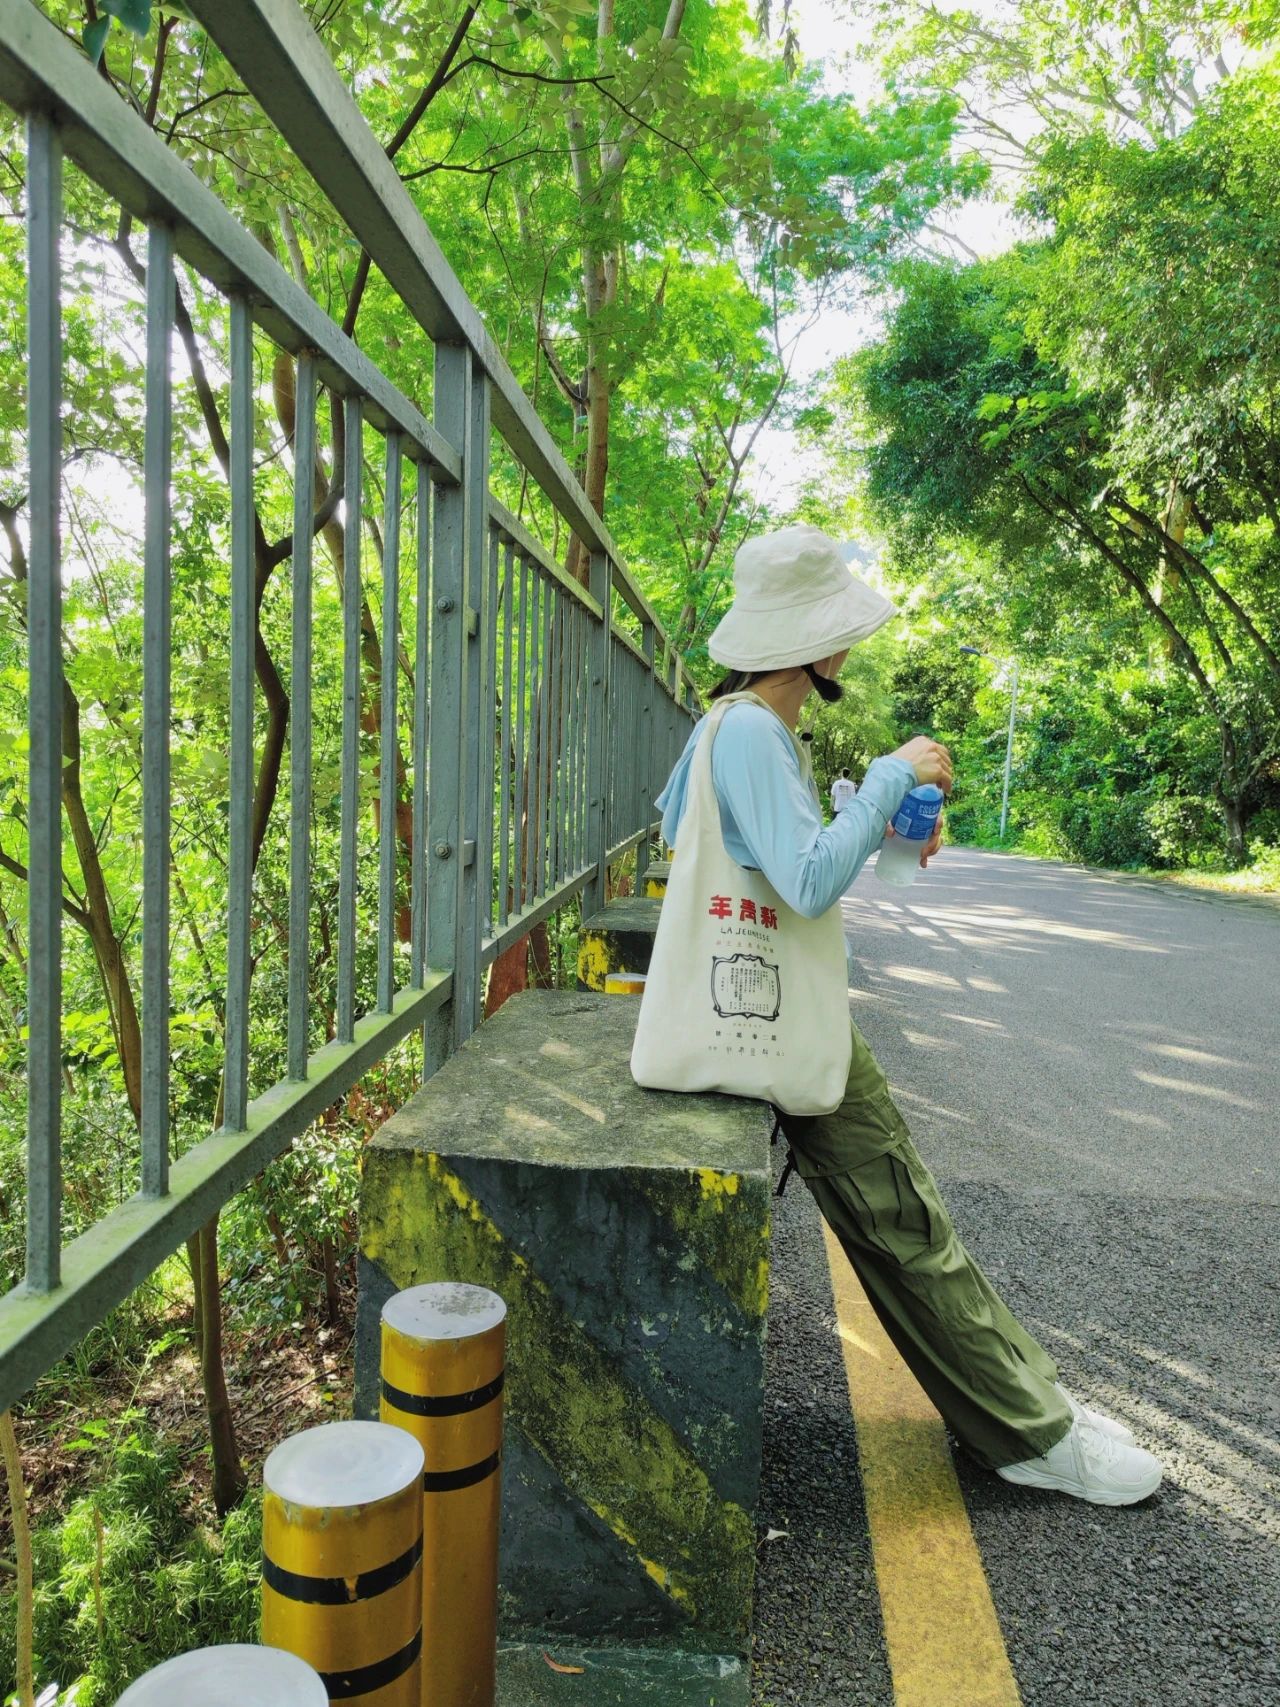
(1090, 1465)
(1105, 1424)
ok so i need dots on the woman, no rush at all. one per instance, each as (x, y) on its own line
(797, 610)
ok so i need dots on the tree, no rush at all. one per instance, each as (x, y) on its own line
(975, 434)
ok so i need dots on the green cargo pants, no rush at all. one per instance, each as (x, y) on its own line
(992, 1383)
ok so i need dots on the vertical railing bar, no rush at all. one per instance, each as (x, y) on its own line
(353, 469)
(476, 741)
(566, 748)
(44, 664)
(507, 787)
(579, 735)
(449, 666)
(156, 671)
(529, 784)
(555, 739)
(304, 463)
(588, 694)
(593, 693)
(571, 737)
(421, 732)
(388, 778)
(623, 823)
(489, 747)
(546, 748)
(647, 739)
(606, 758)
(633, 747)
(538, 710)
(545, 751)
(615, 720)
(240, 780)
(521, 755)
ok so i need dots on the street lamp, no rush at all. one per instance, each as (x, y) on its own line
(977, 652)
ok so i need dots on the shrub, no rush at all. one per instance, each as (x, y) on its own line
(1104, 830)
(1186, 829)
(126, 1579)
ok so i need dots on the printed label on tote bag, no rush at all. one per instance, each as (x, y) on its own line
(745, 987)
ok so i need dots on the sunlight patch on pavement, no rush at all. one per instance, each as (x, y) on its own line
(921, 975)
(1218, 1475)
(1186, 1087)
(968, 1019)
(1132, 1117)
(1198, 1057)
(933, 1107)
(999, 925)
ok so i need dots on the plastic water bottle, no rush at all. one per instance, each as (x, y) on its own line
(913, 824)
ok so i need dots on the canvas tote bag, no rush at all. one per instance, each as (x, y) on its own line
(744, 995)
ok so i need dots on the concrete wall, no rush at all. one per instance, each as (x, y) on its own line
(627, 1231)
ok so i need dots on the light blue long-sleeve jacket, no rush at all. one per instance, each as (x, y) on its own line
(769, 812)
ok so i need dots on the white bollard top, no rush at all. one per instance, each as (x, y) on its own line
(343, 1464)
(238, 1673)
(444, 1310)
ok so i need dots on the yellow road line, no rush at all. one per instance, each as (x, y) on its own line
(941, 1630)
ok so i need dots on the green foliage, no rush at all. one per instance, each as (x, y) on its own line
(123, 1580)
(1072, 447)
(134, 15)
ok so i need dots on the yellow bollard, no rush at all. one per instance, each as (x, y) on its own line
(624, 983)
(443, 1351)
(237, 1673)
(342, 1559)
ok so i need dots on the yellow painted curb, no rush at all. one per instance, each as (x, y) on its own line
(941, 1631)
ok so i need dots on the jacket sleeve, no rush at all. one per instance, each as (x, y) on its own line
(758, 781)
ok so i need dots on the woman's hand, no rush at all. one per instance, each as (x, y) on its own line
(935, 842)
(929, 759)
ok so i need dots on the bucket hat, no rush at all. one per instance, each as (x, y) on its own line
(794, 601)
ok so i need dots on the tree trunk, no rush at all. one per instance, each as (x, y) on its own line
(229, 1479)
(285, 397)
(594, 472)
(197, 1298)
(509, 975)
(25, 1593)
(540, 952)
(332, 1291)
(1236, 820)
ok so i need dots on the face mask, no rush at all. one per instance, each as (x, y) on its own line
(831, 693)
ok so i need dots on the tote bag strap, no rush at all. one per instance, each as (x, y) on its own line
(702, 794)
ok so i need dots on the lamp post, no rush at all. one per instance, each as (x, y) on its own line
(977, 652)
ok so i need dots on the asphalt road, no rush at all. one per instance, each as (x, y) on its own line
(1091, 1066)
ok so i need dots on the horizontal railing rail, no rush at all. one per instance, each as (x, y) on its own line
(519, 726)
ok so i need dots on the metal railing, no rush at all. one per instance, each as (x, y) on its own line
(541, 726)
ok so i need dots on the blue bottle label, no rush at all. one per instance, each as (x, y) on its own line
(916, 817)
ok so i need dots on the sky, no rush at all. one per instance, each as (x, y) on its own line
(826, 32)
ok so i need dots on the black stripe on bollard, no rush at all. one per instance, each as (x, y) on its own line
(340, 1591)
(442, 1404)
(449, 1481)
(342, 1685)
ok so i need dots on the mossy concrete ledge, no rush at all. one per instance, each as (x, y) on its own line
(627, 1231)
(619, 938)
(657, 876)
(620, 1677)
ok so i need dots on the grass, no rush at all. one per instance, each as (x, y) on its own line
(132, 1564)
(1252, 880)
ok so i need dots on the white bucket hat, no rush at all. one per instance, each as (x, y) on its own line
(794, 601)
